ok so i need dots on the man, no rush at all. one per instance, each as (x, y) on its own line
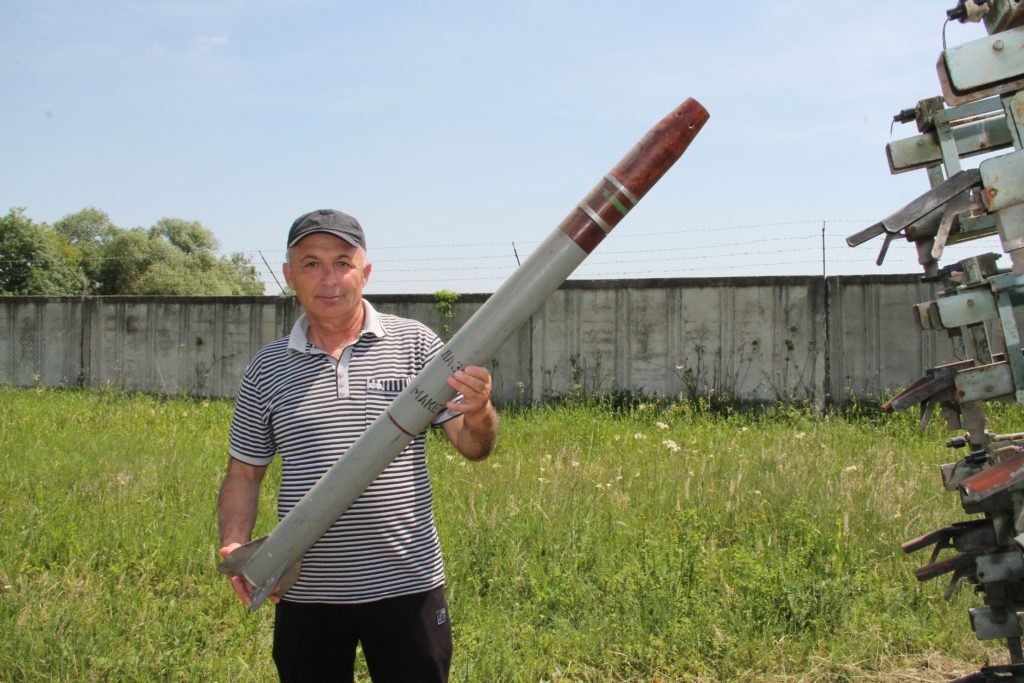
(376, 576)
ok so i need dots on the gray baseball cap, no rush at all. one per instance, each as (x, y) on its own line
(330, 221)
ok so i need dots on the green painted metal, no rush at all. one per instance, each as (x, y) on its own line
(922, 151)
(969, 307)
(1003, 178)
(1003, 14)
(986, 66)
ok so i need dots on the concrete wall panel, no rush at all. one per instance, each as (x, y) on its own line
(875, 344)
(643, 340)
(59, 349)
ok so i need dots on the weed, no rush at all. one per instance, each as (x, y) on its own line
(443, 302)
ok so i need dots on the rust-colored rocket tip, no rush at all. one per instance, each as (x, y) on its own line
(650, 158)
(637, 172)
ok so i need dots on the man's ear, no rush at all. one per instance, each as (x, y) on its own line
(287, 270)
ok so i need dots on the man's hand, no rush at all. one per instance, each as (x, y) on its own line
(243, 587)
(475, 431)
(474, 383)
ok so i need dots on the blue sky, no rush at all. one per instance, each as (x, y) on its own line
(461, 133)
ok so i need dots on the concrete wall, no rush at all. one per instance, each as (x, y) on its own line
(751, 338)
(874, 341)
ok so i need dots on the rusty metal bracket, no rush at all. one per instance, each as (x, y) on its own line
(921, 391)
(920, 207)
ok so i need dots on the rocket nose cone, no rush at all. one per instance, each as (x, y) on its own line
(661, 147)
(677, 130)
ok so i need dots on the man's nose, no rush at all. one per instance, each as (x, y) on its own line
(332, 275)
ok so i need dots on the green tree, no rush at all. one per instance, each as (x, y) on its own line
(241, 275)
(86, 233)
(87, 228)
(125, 260)
(195, 269)
(189, 237)
(36, 260)
(85, 253)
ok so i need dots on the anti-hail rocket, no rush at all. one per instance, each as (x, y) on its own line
(274, 560)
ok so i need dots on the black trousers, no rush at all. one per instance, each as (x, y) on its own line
(405, 640)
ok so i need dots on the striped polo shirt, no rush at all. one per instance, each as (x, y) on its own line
(297, 401)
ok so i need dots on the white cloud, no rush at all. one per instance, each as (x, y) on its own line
(202, 45)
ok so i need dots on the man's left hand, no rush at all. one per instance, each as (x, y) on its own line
(475, 430)
(474, 383)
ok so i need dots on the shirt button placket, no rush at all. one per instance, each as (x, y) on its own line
(341, 374)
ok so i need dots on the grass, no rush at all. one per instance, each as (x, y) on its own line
(642, 543)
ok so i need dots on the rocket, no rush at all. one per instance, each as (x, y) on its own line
(274, 560)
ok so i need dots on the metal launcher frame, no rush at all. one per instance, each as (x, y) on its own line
(980, 306)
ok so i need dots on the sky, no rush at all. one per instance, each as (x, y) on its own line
(461, 133)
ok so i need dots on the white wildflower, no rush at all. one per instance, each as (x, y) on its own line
(661, 425)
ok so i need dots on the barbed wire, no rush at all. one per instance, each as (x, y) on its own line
(632, 236)
(829, 249)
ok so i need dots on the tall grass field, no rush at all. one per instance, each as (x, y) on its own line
(655, 542)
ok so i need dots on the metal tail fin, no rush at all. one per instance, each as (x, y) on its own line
(280, 581)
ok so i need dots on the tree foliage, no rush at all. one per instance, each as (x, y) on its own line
(86, 233)
(85, 253)
(32, 260)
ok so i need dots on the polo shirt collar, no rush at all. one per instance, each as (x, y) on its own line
(299, 341)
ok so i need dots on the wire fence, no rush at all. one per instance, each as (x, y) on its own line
(812, 247)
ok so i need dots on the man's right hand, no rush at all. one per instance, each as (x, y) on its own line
(243, 587)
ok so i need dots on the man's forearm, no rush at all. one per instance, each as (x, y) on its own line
(237, 507)
(478, 433)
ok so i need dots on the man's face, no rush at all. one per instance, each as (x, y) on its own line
(328, 275)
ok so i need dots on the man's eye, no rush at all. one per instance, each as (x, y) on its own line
(312, 264)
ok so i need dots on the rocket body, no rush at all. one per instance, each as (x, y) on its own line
(264, 562)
